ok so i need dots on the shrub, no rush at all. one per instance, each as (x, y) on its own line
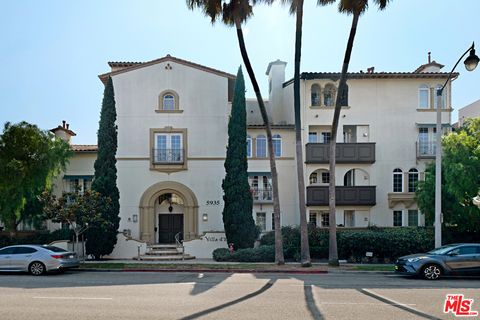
(221, 254)
(260, 254)
(385, 243)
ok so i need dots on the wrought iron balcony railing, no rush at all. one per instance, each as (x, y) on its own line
(167, 156)
(259, 194)
(426, 149)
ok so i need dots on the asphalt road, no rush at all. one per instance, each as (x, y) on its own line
(148, 295)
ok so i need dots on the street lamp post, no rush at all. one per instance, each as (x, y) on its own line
(471, 63)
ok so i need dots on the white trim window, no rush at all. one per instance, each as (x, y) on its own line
(168, 148)
(312, 137)
(443, 99)
(397, 218)
(315, 95)
(261, 221)
(423, 97)
(312, 218)
(277, 145)
(413, 218)
(249, 147)
(412, 180)
(325, 219)
(261, 146)
(168, 102)
(397, 180)
(329, 95)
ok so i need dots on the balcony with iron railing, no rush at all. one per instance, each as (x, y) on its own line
(167, 156)
(261, 194)
(426, 149)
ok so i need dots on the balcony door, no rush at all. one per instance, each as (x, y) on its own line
(168, 148)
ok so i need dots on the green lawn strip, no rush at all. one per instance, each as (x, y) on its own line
(375, 268)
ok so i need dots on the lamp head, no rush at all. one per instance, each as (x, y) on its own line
(472, 60)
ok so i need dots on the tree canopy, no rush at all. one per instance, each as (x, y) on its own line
(460, 180)
(29, 159)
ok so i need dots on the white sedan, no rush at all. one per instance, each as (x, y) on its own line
(36, 259)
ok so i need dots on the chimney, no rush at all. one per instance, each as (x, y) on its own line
(371, 70)
(63, 131)
(429, 57)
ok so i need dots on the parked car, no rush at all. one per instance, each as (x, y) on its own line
(36, 259)
(452, 259)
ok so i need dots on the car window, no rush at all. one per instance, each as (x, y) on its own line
(464, 250)
(442, 250)
(6, 251)
(24, 250)
(54, 249)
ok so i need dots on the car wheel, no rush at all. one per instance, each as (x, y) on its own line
(432, 272)
(36, 268)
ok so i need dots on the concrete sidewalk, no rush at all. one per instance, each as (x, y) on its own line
(210, 265)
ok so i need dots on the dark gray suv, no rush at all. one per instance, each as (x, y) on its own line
(452, 259)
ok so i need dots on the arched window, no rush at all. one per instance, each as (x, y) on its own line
(329, 95)
(315, 95)
(320, 176)
(349, 178)
(277, 145)
(443, 99)
(397, 180)
(423, 97)
(249, 147)
(168, 102)
(261, 146)
(412, 180)
(313, 178)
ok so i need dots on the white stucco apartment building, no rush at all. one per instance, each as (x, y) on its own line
(172, 118)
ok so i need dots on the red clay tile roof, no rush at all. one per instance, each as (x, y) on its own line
(433, 63)
(85, 147)
(129, 66)
(334, 76)
(70, 132)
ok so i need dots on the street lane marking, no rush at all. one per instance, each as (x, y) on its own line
(72, 298)
(367, 303)
(396, 304)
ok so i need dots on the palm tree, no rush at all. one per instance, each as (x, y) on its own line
(356, 8)
(296, 7)
(236, 12)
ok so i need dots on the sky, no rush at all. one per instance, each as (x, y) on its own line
(52, 51)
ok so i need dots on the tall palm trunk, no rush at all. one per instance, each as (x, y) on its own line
(305, 250)
(332, 246)
(279, 259)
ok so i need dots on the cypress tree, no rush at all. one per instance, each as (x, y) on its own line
(102, 238)
(239, 226)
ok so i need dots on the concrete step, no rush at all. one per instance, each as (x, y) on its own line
(162, 246)
(166, 258)
(162, 252)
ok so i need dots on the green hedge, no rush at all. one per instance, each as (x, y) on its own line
(37, 238)
(386, 244)
(260, 254)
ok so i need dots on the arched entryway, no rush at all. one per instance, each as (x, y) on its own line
(157, 206)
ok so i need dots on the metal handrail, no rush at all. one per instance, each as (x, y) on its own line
(167, 156)
(179, 243)
(262, 194)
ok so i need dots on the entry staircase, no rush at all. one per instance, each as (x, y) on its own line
(166, 252)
